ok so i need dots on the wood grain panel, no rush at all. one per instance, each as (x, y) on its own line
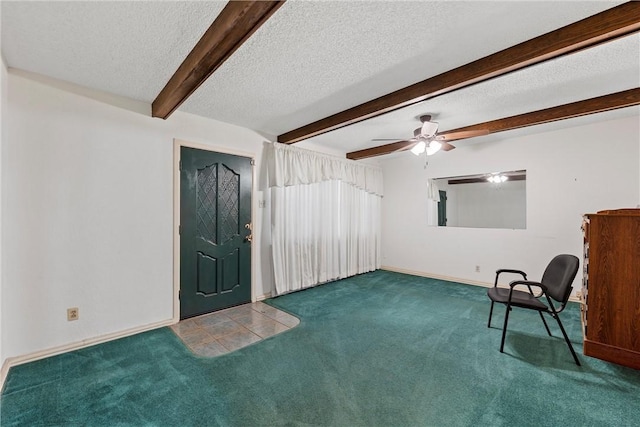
(613, 299)
(613, 23)
(613, 354)
(633, 300)
(601, 281)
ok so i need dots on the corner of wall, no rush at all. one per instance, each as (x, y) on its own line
(3, 103)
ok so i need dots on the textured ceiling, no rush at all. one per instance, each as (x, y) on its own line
(128, 48)
(315, 58)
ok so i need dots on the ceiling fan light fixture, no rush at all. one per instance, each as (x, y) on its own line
(419, 148)
(433, 148)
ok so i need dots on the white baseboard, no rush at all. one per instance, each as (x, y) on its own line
(573, 298)
(436, 276)
(32, 357)
(4, 371)
(263, 297)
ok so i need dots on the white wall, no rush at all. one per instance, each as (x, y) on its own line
(87, 212)
(3, 99)
(568, 174)
(3, 128)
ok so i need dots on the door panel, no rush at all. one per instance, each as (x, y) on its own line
(215, 254)
(230, 271)
(207, 267)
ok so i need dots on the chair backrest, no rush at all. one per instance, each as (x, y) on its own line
(559, 275)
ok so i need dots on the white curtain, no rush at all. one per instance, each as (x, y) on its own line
(288, 165)
(325, 217)
(433, 197)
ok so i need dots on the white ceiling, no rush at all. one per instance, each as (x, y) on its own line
(315, 58)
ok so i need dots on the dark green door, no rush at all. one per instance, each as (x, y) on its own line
(442, 208)
(215, 242)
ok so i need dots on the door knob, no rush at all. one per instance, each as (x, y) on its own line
(249, 227)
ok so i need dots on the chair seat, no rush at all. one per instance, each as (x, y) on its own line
(518, 298)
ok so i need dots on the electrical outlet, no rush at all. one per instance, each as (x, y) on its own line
(477, 269)
(262, 203)
(73, 314)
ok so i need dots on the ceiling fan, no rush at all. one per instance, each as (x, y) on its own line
(427, 139)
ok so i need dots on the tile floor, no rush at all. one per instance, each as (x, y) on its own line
(227, 330)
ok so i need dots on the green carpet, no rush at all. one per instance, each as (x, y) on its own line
(380, 349)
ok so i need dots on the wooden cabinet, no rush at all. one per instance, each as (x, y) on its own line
(611, 286)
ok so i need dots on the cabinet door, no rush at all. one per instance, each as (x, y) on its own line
(613, 289)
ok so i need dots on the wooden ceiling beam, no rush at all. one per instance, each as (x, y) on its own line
(600, 104)
(233, 26)
(613, 23)
(614, 101)
(381, 150)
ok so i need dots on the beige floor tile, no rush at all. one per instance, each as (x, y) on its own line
(253, 318)
(212, 319)
(210, 349)
(239, 339)
(286, 319)
(184, 326)
(198, 336)
(265, 309)
(223, 329)
(280, 316)
(228, 330)
(239, 311)
(268, 329)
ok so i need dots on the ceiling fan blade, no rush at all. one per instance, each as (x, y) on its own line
(453, 136)
(446, 146)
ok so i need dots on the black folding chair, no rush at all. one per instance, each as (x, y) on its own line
(555, 285)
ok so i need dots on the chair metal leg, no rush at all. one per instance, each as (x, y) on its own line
(545, 323)
(490, 313)
(504, 328)
(566, 338)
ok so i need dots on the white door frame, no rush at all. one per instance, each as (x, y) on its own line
(177, 144)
